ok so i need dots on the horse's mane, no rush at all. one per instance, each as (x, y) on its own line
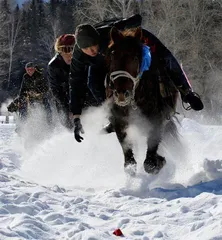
(126, 33)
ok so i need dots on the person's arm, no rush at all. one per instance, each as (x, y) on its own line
(77, 83)
(131, 22)
(164, 57)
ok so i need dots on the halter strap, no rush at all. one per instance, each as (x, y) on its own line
(116, 74)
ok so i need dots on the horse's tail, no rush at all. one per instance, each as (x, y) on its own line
(171, 128)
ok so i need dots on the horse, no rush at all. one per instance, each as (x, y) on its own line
(127, 90)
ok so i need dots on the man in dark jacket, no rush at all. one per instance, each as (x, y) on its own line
(34, 88)
(89, 50)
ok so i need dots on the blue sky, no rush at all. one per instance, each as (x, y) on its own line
(20, 2)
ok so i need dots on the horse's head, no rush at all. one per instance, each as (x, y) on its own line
(124, 60)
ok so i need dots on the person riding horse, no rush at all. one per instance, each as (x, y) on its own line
(34, 88)
(89, 50)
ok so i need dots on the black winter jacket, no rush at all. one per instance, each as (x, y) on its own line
(58, 77)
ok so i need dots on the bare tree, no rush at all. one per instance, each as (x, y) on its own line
(124, 8)
(10, 26)
(199, 26)
(97, 10)
(4, 21)
(188, 28)
(91, 11)
(48, 37)
(13, 31)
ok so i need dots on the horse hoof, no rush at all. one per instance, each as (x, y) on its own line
(154, 163)
(130, 168)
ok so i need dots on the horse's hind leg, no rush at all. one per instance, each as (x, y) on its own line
(154, 162)
(129, 163)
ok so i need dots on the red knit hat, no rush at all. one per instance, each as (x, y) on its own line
(65, 43)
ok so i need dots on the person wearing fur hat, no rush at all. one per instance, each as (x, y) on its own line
(58, 76)
(91, 45)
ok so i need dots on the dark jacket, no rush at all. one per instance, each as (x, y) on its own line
(33, 85)
(161, 56)
(58, 77)
(163, 60)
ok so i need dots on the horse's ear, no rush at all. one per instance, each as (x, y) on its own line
(115, 35)
(139, 33)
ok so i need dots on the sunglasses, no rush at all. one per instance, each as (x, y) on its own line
(65, 49)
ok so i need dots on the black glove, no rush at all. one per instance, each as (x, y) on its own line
(194, 100)
(12, 107)
(78, 129)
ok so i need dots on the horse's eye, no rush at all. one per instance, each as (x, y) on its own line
(136, 59)
(111, 85)
(127, 93)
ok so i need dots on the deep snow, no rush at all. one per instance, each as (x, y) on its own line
(59, 189)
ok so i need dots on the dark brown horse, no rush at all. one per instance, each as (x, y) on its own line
(128, 91)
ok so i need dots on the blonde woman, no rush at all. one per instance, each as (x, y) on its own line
(58, 76)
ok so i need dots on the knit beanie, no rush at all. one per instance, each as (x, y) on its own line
(65, 43)
(29, 65)
(86, 36)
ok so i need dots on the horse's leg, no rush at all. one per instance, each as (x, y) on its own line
(129, 161)
(154, 162)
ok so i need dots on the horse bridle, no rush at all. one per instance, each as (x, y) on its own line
(116, 74)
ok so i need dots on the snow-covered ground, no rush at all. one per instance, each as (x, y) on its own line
(60, 189)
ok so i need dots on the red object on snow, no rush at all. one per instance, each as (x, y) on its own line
(118, 232)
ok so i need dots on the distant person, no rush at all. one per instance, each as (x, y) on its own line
(34, 89)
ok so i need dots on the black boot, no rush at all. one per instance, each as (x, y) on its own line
(194, 100)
